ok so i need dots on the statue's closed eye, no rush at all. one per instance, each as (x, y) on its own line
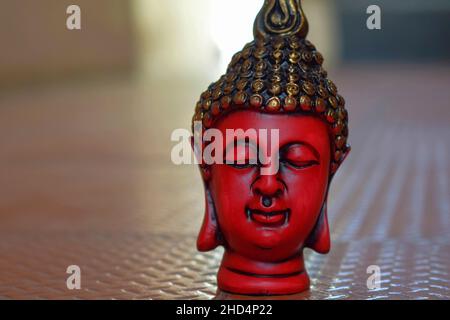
(299, 156)
(242, 155)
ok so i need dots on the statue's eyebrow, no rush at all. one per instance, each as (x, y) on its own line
(303, 144)
(240, 141)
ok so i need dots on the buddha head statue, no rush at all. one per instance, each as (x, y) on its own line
(264, 220)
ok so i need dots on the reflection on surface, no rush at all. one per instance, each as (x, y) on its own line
(228, 296)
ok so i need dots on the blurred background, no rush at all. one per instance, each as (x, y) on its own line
(196, 39)
(86, 117)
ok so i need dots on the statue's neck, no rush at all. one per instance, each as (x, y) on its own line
(241, 275)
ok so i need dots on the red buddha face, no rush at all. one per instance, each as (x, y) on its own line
(269, 218)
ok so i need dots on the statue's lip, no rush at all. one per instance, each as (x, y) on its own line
(276, 218)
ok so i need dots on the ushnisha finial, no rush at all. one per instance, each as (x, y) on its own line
(279, 18)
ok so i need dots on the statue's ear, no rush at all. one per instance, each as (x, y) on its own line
(209, 236)
(319, 239)
(198, 154)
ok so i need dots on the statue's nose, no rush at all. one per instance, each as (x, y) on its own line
(268, 187)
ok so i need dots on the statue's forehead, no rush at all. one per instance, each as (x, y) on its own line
(291, 127)
(253, 119)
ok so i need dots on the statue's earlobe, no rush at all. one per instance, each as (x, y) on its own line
(209, 236)
(319, 240)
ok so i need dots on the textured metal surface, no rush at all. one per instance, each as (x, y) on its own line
(85, 181)
(151, 266)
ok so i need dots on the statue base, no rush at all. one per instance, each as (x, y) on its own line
(238, 275)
